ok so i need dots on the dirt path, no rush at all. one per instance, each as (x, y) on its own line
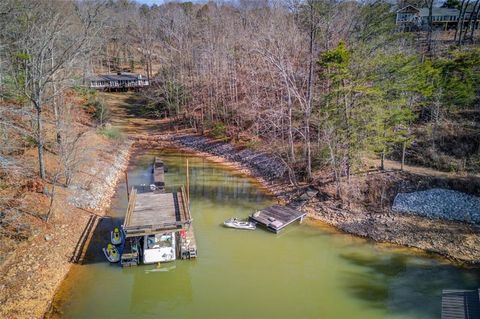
(124, 115)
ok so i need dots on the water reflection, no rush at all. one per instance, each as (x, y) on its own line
(404, 284)
(153, 289)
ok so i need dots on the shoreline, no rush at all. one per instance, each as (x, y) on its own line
(278, 190)
(456, 242)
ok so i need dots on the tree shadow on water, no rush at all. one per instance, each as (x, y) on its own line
(404, 286)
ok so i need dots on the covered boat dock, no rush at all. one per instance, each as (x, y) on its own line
(153, 213)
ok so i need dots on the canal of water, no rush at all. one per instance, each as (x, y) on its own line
(304, 272)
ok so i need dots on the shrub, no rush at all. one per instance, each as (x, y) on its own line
(219, 131)
(85, 91)
(98, 109)
(113, 133)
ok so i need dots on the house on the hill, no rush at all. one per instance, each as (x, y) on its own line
(120, 81)
(411, 17)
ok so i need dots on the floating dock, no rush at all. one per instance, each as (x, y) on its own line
(460, 304)
(277, 217)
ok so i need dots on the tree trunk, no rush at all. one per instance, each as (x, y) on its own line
(348, 131)
(382, 160)
(41, 161)
(55, 100)
(308, 109)
(473, 20)
(384, 150)
(430, 27)
(290, 131)
(458, 21)
(404, 147)
(462, 35)
(461, 21)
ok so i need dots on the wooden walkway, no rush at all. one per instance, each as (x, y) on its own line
(460, 304)
(159, 174)
(277, 217)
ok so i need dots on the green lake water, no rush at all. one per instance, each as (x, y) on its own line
(304, 272)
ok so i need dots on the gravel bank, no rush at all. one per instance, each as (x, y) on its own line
(94, 192)
(262, 164)
(439, 203)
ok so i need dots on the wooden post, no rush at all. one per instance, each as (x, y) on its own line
(188, 185)
(126, 182)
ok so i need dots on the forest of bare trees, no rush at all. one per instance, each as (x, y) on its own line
(320, 84)
(324, 83)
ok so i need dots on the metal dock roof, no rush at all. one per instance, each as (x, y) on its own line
(460, 304)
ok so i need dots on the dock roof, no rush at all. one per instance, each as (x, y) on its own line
(460, 304)
(153, 212)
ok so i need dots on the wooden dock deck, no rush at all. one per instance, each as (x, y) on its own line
(277, 217)
(151, 213)
(460, 304)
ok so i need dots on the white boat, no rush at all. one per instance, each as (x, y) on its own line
(111, 253)
(159, 248)
(239, 224)
(116, 236)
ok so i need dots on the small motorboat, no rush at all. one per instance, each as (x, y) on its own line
(116, 236)
(111, 253)
(239, 224)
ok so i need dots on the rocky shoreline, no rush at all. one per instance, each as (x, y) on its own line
(454, 240)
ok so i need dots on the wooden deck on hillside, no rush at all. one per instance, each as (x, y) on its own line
(460, 304)
(152, 212)
(277, 217)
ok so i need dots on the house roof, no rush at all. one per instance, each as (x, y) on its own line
(123, 76)
(423, 12)
(408, 8)
(439, 12)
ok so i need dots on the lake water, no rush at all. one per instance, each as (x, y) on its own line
(304, 272)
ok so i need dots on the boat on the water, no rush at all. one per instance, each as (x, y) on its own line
(159, 248)
(239, 224)
(116, 236)
(111, 253)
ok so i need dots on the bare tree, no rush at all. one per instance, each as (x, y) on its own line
(52, 36)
